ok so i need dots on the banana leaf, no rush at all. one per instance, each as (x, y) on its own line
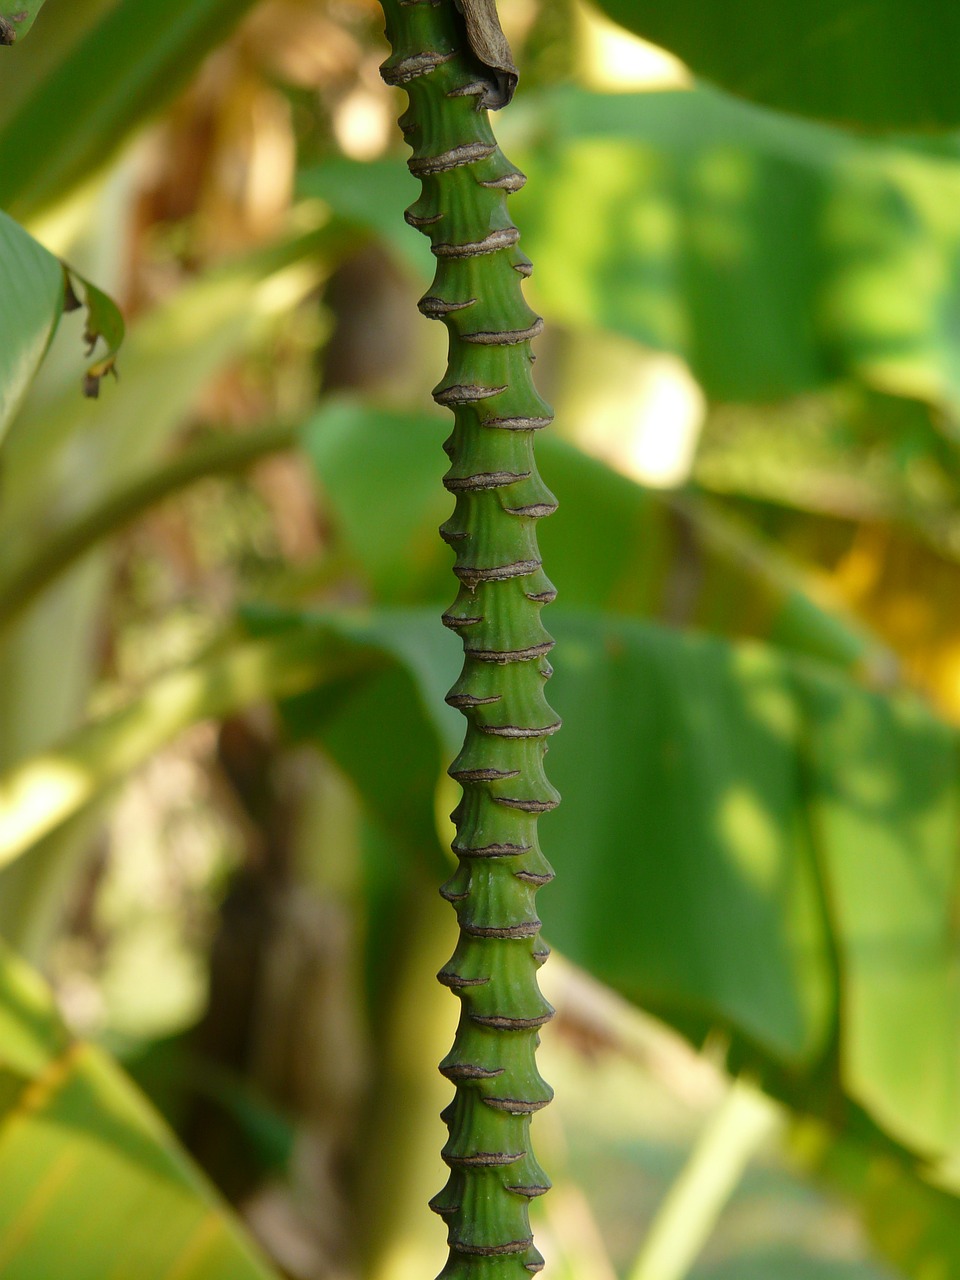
(883, 64)
(774, 255)
(676, 557)
(92, 1183)
(748, 840)
(719, 802)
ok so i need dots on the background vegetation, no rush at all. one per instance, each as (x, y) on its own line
(220, 584)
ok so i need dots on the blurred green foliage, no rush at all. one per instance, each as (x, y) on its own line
(759, 673)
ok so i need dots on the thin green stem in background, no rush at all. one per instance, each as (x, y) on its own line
(742, 1123)
(452, 61)
(21, 585)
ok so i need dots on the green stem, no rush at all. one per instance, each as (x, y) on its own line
(20, 586)
(499, 498)
(686, 1219)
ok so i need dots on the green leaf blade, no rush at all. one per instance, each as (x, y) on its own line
(774, 255)
(881, 64)
(685, 877)
(88, 1171)
(32, 289)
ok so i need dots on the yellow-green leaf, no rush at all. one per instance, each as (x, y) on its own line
(92, 1183)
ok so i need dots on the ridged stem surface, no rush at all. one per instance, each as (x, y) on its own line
(500, 497)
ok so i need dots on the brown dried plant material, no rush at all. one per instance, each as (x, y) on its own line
(489, 46)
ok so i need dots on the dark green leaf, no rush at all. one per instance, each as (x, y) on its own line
(745, 841)
(686, 876)
(885, 64)
(381, 470)
(885, 807)
(120, 68)
(774, 255)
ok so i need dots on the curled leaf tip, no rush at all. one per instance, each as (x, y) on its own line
(490, 48)
(103, 323)
(96, 372)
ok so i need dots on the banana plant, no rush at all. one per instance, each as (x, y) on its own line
(454, 63)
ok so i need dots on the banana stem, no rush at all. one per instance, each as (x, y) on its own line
(447, 56)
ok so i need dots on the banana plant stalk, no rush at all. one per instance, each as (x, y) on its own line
(451, 58)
